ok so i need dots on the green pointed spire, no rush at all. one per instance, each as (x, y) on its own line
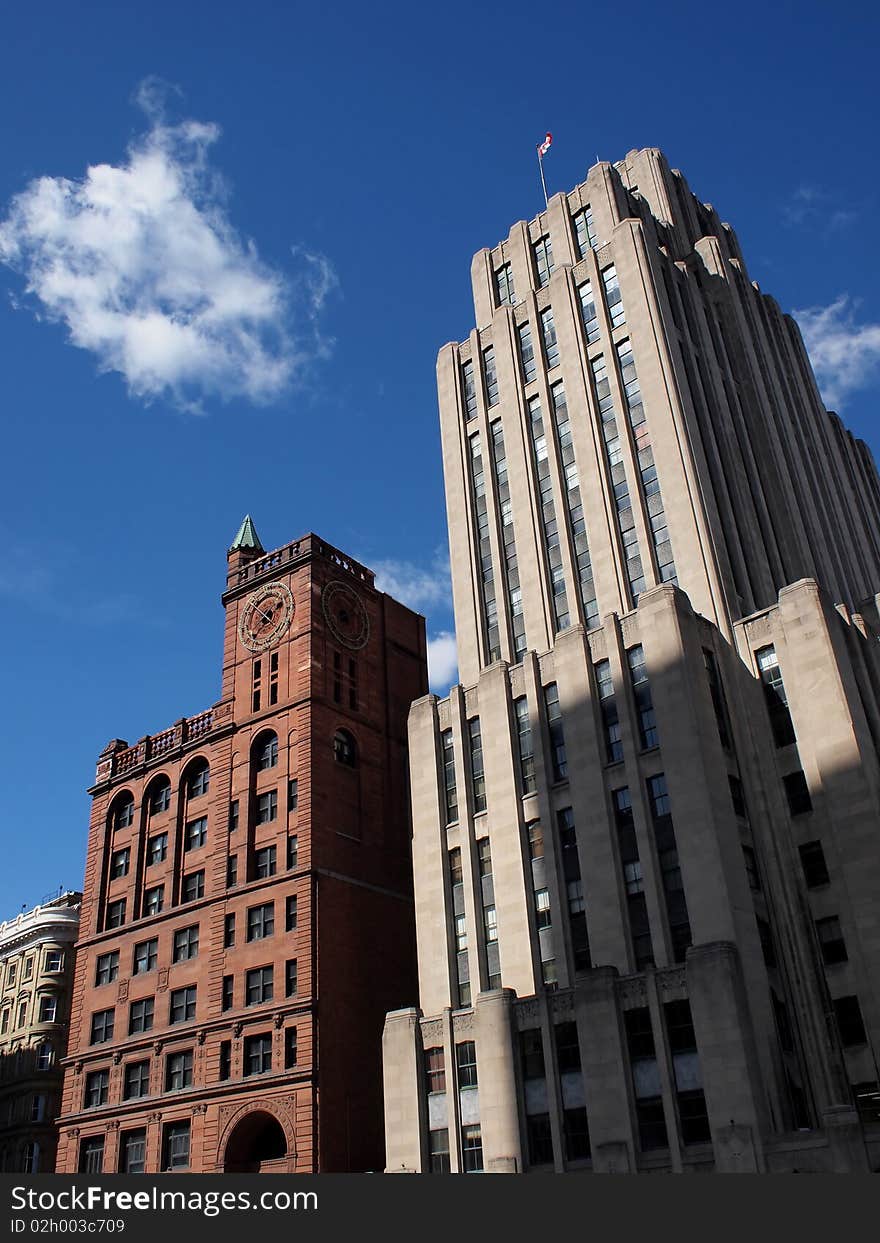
(247, 537)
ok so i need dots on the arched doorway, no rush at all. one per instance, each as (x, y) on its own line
(257, 1145)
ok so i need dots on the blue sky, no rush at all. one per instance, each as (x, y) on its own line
(306, 192)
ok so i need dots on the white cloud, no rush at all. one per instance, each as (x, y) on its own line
(442, 661)
(845, 354)
(413, 585)
(141, 264)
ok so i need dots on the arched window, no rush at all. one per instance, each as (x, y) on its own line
(265, 752)
(159, 796)
(345, 748)
(197, 779)
(122, 814)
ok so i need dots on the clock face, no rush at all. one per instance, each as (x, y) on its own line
(265, 616)
(346, 616)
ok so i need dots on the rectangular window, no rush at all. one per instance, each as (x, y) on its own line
(140, 1016)
(637, 909)
(119, 861)
(798, 794)
(186, 943)
(737, 797)
(504, 291)
(175, 1146)
(97, 1088)
(527, 352)
(179, 1070)
(540, 1139)
(233, 816)
(229, 932)
(183, 1005)
(198, 782)
(531, 1049)
(469, 389)
(290, 1048)
(102, 1026)
(813, 863)
(227, 993)
(107, 968)
(193, 886)
(667, 853)
(157, 848)
(831, 940)
(751, 862)
(645, 1079)
(584, 232)
(160, 799)
(608, 708)
(449, 776)
(225, 1066)
(257, 1054)
(292, 794)
(719, 702)
(612, 296)
(133, 1151)
(273, 679)
(54, 961)
(196, 833)
(849, 1021)
(438, 1151)
(478, 778)
(290, 912)
(466, 1061)
(231, 871)
(91, 1155)
(435, 1072)
(775, 696)
(642, 693)
(267, 753)
(542, 252)
(491, 376)
(256, 685)
(290, 978)
(589, 314)
(576, 1134)
(549, 338)
(115, 914)
(258, 986)
(48, 1009)
(568, 1049)
(471, 1149)
(137, 1080)
(528, 780)
(292, 851)
(154, 900)
(558, 757)
(265, 862)
(260, 921)
(267, 806)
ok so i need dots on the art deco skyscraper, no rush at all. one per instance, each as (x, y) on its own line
(647, 818)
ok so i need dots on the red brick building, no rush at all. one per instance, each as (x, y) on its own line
(247, 916)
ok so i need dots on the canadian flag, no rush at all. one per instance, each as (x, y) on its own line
(544, 147)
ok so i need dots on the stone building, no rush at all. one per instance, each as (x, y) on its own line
(36, 976)
(247, 914)
(646, 821)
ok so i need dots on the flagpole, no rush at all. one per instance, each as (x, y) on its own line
(543, 182)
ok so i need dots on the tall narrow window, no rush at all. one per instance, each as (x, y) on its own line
(490, 917)
(574, 889)
(637, 908)
(469, 390)
(687, 1074)
(574, 503)
(667, 854)
(491, 376)
(549, 338)
(508, 537)
(638, 672)
(775, 696)
(613, 299)
(483, 550)
(584, 231)
(256, 685)
(478, 778)
(626, 523)
(589, 314)
(608, 710)
(528, 782)
(504, 291)
(719, 702)
(558, 757)
(542, 252)
(527, 352)
(273, 678)
(449, 786)
(549, 522)
(459, 927)
(645, 1079)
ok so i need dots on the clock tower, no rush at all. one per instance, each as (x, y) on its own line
(248, 891)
